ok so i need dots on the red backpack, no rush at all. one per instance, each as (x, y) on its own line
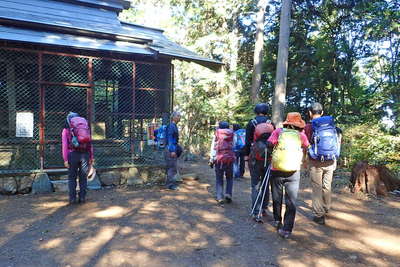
(224, 146)
(80, 133)
(261, 133)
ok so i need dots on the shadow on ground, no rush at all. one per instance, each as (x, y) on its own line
(155, 227)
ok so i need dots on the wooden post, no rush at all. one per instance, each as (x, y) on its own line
(41, 112)
(278, 102)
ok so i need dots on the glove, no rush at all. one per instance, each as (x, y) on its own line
(211, 164)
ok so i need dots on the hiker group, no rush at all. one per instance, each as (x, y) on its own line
(275, 156)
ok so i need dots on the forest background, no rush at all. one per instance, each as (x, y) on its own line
(344, 54)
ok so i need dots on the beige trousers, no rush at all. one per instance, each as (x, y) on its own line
(321, 174)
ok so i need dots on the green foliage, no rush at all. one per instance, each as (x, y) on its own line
(371, 143)
(344, 54)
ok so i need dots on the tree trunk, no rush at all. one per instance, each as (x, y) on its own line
(278, 101)
(258, 52)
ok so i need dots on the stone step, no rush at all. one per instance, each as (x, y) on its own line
(62, 185)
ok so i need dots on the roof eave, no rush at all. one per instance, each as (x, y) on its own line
(210, 64)
(70, 30)
(113, 5)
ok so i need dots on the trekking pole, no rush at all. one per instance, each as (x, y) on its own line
(259, 191)
(265, 157)
(264, 189)
(258, 196)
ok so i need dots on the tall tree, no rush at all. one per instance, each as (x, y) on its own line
(278, 101)
(258, 51)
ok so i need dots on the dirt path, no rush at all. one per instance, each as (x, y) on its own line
(154, 227)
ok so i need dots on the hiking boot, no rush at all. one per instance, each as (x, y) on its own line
(320, 220)
(228, 199)
(173, 187)
(257, 219)
(284, 234)
(277, 224)
(220, 202)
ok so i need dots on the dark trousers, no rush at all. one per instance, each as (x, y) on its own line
(257, 173)
(238, 165)
(78, 164)
(172, 169)
(289, 181)
(221, 170)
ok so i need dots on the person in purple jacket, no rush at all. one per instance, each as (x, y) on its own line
(78, 161)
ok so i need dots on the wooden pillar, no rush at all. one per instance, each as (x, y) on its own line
(41, 112)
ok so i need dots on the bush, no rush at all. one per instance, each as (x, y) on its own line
(371, 143)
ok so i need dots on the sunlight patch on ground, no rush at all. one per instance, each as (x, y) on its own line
(195, 238)
(53, 204)
(123, 258)
(162, 242)
(211, 201)
(111, 212)
(205, 229)
(384, 242)
(91, 245)
(350, 244)
(350, 218)
(351, 208)
(150, 207)
(377, 261)
(394, 204)
(287, 261)
(181, 197)
(53, 243)
(326, 262)
(77, 221)
(308, 261)
(211, 217)
(307, 229)
(15, 228)
(126, 230)
(339, 224)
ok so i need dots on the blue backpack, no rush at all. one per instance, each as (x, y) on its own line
(325, 140)
(162, 137)
(240, 139)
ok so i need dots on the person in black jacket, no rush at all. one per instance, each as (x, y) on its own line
(257, 169)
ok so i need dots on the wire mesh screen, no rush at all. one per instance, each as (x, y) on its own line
(124, 102)
(19, 141)
(58, 101)
(152, 98)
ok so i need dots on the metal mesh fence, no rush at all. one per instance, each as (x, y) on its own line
(19, 147)
(124, 101)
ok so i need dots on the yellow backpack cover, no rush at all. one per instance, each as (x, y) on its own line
(287, 154)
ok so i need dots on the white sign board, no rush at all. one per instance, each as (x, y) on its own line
(24, 124)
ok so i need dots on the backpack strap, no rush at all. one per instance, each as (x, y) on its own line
(254, 122)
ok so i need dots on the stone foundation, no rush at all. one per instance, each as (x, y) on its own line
(132, 176)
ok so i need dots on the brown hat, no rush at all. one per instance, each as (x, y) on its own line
(294, 118)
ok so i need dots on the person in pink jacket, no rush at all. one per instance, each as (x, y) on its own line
(77, 159)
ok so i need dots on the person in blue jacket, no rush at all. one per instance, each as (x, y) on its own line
(172, 151)
(239, 141)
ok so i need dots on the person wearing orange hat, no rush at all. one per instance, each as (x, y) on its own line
(289, 147)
